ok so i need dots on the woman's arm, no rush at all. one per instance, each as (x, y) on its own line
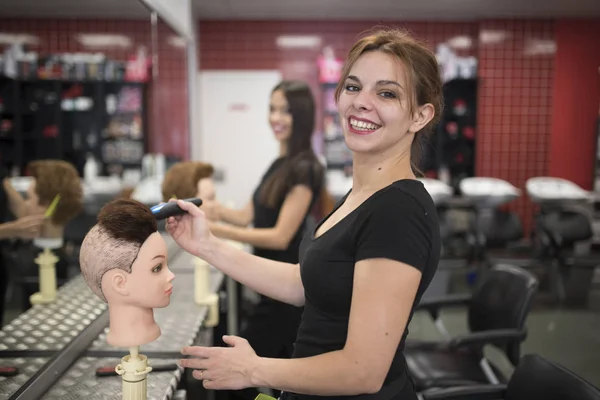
(274, 279)
(290, 219)
(16, 202)
(383, 295)
(277, 280)
(242, 217)
(27, 227)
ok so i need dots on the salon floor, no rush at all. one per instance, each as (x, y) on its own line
(568, 336)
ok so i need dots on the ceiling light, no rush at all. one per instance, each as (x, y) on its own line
(298, 41)
(492, 37)
(9, 38)
(177, 41)
(104, 40)
(460, 42)
(539, 47)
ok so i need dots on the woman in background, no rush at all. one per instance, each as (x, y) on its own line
(278, 211)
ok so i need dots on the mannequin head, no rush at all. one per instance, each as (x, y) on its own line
(189, 179)
(123, 258)
(52, 177)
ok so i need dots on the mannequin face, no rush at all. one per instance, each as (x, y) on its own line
(206, 189)
(280, 117)
(149, 283)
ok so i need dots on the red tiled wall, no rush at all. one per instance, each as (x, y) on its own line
(252, 44)
(575, 100)
(167, 105)
(516, 70)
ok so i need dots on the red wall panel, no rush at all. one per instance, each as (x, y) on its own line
(516, 70)
(167, 106)
(575, 100)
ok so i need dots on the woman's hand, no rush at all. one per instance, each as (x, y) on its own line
(212, 210)
(190, 230)
(223, 367)
(28, 227)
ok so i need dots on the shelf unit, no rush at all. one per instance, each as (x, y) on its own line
(67, 119)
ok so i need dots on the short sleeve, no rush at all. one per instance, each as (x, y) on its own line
(307, 172)
(394, 226)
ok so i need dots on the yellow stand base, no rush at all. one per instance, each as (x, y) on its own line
(47, 273)
(134, 372)
(202, 294)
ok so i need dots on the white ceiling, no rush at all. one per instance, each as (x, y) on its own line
(313, 9)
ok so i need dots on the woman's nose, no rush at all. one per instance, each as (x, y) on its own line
(363, 101)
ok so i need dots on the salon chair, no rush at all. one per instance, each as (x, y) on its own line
(495, 234)
(534, 378)
(563, 223)
(497, 310)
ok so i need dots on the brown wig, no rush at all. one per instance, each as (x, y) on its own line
(127, 219)
(181, 180)
(423, 76)
(115, 241)
(58, 177)
(300, 157)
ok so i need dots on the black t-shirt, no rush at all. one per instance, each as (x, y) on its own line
(398, 222)
(306, 172)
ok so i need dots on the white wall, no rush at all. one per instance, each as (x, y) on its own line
(234, 133)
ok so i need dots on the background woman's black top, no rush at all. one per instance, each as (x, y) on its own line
(398, 222)
(304, 173)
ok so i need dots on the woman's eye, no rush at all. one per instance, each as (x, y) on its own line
(352, 88)
(157, 268)
(388, 95)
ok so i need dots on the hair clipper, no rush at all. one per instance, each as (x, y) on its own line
(171, 209)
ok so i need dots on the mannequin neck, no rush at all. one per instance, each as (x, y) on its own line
(52, 231)
(131, 326)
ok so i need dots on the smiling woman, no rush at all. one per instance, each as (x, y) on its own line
(366, 265)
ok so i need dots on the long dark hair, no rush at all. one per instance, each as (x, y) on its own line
(299, 147)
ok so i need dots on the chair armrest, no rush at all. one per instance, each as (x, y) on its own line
(434, 305)
(495, 336)
(476, 392)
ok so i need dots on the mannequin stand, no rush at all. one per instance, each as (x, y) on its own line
(134, 371)
(47, 273)
(202, 294)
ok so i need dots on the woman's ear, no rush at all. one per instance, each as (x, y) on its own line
(422, 116)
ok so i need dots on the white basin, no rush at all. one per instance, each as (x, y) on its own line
(438, 190)
(488, 192)
(545, 189)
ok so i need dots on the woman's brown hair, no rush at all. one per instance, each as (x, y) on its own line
(54, 177)
(422, 70)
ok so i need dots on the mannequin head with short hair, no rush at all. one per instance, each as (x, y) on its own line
(188, 179)
(52, 178)
(123, 260)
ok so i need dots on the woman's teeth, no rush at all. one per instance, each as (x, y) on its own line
(363, 126)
